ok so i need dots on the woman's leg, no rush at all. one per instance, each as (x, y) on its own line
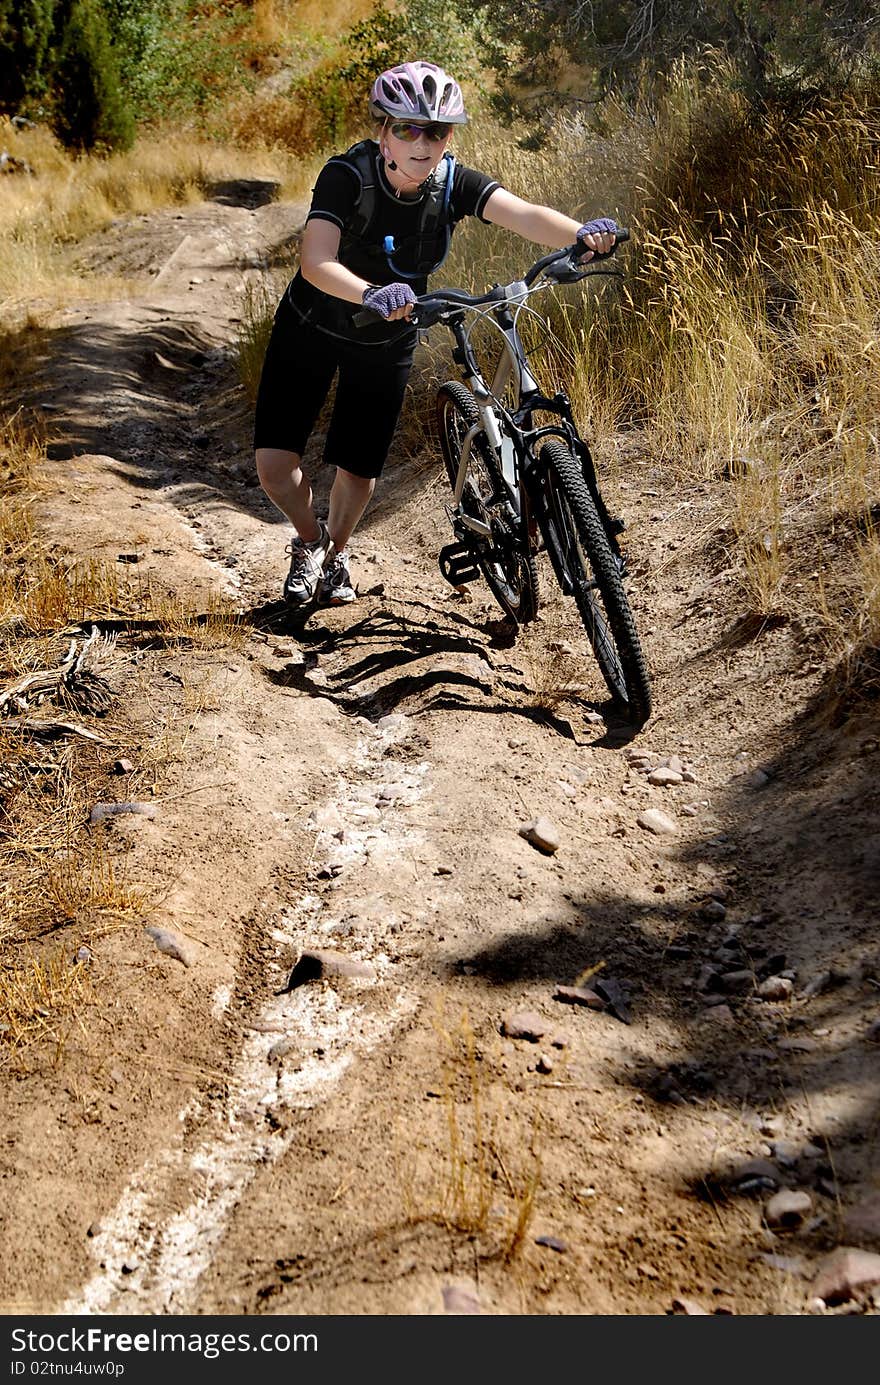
(287, 486)
(349, 498)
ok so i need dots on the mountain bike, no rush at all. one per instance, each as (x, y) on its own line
(520, 486)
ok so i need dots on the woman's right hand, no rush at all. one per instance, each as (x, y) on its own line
(391, 301)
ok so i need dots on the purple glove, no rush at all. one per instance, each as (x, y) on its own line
(603, 225)
(384, 300)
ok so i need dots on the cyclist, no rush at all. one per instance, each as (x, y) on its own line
(380, 221)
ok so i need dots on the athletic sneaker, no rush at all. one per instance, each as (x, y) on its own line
(306, 567)
(336, 586)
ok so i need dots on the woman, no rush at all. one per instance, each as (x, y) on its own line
(380, 222)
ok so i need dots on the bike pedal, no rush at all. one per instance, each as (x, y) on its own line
(457, 564)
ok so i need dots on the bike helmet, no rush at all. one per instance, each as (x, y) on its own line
(417, 91)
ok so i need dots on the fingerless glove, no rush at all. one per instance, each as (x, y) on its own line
(383, 300)
(603, 224)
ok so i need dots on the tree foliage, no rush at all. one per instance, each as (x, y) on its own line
(781, 49)
(90, 111)
(26, 29)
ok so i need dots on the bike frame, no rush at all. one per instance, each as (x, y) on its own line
(515, 446)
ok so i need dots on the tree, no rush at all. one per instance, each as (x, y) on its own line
(26, 28)
(781, 48)
(90, 110)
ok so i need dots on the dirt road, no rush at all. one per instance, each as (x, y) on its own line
(223, 1134)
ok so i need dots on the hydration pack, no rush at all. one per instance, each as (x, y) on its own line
(363, 246)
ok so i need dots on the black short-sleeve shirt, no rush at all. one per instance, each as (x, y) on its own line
(334, 199)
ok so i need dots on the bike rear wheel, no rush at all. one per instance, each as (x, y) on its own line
(584, 562)
(504, 560)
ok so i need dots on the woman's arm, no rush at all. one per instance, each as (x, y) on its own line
(544, 225)
(319, 265)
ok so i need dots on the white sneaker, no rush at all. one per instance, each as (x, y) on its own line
(336, 584)
(307, 562)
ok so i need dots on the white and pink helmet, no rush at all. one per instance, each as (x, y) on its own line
(417, 91)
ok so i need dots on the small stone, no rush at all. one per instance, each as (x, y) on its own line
(719, 1014)
(458, 1299)
(112, 810)
(279, 1050)
(688, 1307)
(542, 833)
(776, 988)
(443, 870)
(580, 995)
(285, 650)
(817, 984)
(713, 911)
(123, 767)
(170, 943)
(658, 822)
(544, 1064)
(132, 557)
(663, 777)
(844, 1272)
(525, 1024)
(321, 964)
(689, 810)
(861, 1223)
(738, 982)
(95, 1229)
(754, 1174)
(759, 780)
(788, 1209)
(552, 1243)
(797, 1044)
(559, 1040)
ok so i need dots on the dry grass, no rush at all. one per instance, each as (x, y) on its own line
(475, 1192)
(39, 999)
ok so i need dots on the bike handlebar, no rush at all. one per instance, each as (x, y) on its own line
(430, 307)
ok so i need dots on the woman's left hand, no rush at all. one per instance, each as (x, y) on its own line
(598, 235)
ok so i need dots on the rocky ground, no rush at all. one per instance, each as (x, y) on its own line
(377, 1051)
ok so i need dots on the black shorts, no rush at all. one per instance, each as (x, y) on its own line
(297, 374)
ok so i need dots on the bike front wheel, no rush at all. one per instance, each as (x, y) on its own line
(586, 566)
(504, 559)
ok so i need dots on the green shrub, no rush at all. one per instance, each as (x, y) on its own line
(90, 110)
(25, 37)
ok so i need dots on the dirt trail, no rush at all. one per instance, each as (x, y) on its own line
(216, 1142)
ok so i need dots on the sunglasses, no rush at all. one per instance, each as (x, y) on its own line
(436, 132)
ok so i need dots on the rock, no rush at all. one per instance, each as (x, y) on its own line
(544, 1064)
(525, 1024)
(788, 1209)
(719, 1014)
(658, 822)
(752, 1175)
(542, 833)
(322, 964)
(663, 777)
(580, 995)
(817, 984)
(552, 1242)
(123, 767)
(776, 988)
(95, 1229)
(690, 810)
(713, 911)
(759, 780)
(170, 943)
(559, 1040)
(688, 1307)
(738, 982)
(458, 1299)
(861, 1223)
(280, 1049)
(844, 1272)
(797, 1044)
(112, 810)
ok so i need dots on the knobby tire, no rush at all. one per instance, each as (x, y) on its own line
(572, 527)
